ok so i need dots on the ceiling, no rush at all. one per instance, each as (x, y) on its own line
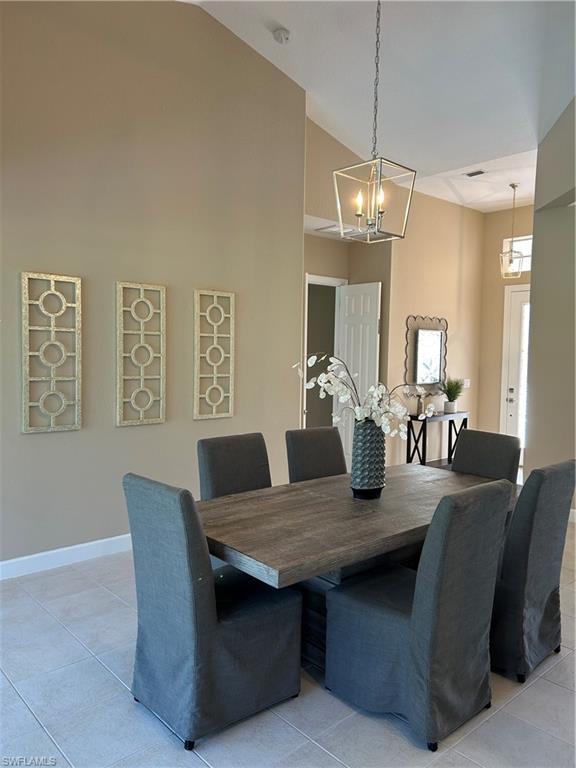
(463, 85)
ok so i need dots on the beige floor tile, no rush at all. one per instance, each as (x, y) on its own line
(108, 568)
(90, 602)
(456, 736)
(125, 589)
(308, 756)
(39, 646)
(549, 663)
(259, 742)
(28, 747)
(315, 709)
(97, 618)
(15, 717)
(452, 759)
(563, 673)
(106, 631)
(169, 755)
(120, 662)
(371, 741)
(59, 582)
(505, 741)
(568, 601)
(548, 706)
(17, 606)
(567, 577)
(98, 736)
(78, 685)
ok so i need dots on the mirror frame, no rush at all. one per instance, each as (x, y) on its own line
(416, 323)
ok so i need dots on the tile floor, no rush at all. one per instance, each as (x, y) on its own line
(66, 657)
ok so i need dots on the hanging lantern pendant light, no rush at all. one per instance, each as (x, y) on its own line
(511, 261)
(373, 198)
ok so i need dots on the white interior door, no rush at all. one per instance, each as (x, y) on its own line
(357, 342)
(515, 361)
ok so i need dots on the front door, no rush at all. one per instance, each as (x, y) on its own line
(515, 361)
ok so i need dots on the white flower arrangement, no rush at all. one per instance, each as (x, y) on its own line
(380, 404)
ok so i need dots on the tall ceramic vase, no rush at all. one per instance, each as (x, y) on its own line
(368, 460)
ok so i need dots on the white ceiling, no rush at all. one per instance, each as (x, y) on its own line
(463, 85)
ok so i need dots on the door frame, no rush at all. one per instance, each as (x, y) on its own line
(310, 279)
(508, 291)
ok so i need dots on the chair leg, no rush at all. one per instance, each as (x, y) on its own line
(488, 705)
(557, 650)
(189, 746)
(521, 678)
(433, 746)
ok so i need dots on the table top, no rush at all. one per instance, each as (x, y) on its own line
(288, 533)
(442, 416)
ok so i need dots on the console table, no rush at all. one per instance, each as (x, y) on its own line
(418, 438)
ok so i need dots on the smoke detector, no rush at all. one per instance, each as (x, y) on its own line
(281, 35)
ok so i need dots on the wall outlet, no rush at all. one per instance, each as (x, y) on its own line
(466, 383)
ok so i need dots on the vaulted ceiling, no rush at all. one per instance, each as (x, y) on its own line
(463, 86)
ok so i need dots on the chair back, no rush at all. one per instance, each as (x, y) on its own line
(174, 581)
(487, 454)
(454, 592)
(233, 464)
(314, 452)
(535, 541)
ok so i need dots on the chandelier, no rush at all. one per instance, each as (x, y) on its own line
(511, 261)
(373, 197)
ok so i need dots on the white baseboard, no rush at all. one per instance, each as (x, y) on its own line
(54, 558)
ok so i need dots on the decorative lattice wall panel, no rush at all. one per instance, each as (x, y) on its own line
(213, 354)
(51, 352)
(140, 354)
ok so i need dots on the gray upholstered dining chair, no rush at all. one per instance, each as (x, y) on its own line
(232, 464)
(526, 622)
(416, 643)
(487, 454)
(314, 452)
(212, 648)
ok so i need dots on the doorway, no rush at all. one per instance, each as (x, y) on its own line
(343, 320)
(515, 362)
(320, 330)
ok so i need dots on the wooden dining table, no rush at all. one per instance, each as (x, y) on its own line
(289, 533)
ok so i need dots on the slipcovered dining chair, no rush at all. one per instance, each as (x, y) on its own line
(232, 464)
(314, 452)
(526, 618)
(417, 643)
(487, 454)
(212, 648)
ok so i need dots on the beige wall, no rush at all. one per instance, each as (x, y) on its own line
(118, 119)
(551, 380)
(436, 270)
(324, 256)
(496, 229)
(324, 154)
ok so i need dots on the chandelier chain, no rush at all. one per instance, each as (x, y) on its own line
(376, 82)
(514, 186)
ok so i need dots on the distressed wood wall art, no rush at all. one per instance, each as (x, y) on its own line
(140, 354)
(213, 354)
(51, 352)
